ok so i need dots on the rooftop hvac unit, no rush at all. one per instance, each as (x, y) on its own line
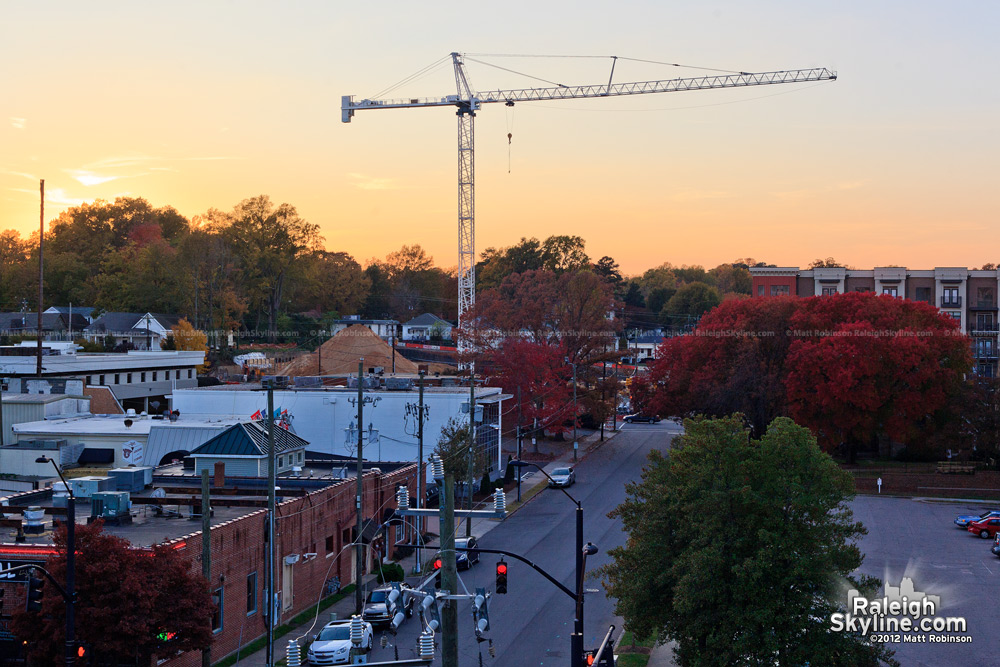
(308, 381)
(366, 383)
(398, 384)
(111, 506)
(85, 487)
(277, 381)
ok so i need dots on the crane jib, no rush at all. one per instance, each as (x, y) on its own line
(740, 80)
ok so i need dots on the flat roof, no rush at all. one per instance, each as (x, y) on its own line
(115, 424)
(9, 397)
(255, 386)
(99, 362)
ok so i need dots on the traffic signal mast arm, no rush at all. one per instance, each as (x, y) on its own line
(740, 80)
(18, 568)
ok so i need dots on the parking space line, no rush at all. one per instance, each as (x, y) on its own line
(987, 569)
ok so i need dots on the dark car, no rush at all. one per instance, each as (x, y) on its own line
(463, 559)
(649, 419)
(376, 609)
(996, 545)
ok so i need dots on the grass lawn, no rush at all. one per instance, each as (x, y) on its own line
(632, 660)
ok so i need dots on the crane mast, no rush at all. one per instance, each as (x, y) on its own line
(468, 102)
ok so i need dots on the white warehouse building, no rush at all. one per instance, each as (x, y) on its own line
(325, 416)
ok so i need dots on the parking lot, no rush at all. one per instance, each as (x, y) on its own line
(918, 539)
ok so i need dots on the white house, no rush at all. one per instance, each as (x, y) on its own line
(143, 331)
(387, 330)
(426, 327)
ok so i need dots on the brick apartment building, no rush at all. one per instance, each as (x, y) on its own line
(314, 527)
(967, 295)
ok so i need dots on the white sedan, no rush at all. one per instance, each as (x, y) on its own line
(332, 646)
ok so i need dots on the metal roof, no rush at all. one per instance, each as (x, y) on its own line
(427, 319)
(249, 439)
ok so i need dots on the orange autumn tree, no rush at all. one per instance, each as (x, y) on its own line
(186, 337)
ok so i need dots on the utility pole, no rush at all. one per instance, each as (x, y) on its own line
(206, 551)
(519, 438)
(604, 379)
(359, 551)
(420, 458)
(41, 271)
(576, 444)
(271, 483)
(472, 445)
(449, 576)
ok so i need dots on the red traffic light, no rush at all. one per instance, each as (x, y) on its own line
(437, 564)
(501, 568)
(590, 659)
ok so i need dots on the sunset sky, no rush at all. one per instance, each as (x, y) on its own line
(198, 105)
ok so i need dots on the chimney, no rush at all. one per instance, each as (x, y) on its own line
(220, 474)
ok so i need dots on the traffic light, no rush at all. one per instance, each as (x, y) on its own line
(501, 578)
(437, 572)
(83, 655)
(394, 605)
(589, 658)
(35, 592)
(480, 612)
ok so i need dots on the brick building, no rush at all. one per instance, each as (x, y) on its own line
(316, 524)
(967, 295)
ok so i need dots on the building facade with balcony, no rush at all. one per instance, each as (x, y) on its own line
(967, 295)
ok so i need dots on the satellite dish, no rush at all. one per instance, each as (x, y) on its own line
(128, 423)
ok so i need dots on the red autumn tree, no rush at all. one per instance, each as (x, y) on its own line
(127, 599)
(850, 366)
(538, 374)
(864, 365)
(733, 362)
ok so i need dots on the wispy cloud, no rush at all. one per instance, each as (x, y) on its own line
(18, 123)
(55, 196)
(364, 182)
(22, 174)
(89, 178)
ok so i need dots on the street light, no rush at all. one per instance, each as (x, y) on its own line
(576, 645)
(70, 655)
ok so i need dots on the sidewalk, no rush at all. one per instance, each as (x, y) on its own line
(345, 608)
(662, 656)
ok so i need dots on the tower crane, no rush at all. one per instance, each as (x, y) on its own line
(468, 102)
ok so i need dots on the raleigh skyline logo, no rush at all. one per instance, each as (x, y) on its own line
(902, 614)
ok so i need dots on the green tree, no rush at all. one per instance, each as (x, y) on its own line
(693, 299)
(564, 253)
(268, 241)
(738, 550)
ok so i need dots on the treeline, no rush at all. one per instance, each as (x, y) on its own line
(260, 267)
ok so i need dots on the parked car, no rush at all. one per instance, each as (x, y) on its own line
(464, 559)
(649, 419)
(986, 528)
(562, 477)
(332, 646)
(376, 609)
(996, 545)
(964, 520)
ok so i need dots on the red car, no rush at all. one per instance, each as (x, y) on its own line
(986, 528)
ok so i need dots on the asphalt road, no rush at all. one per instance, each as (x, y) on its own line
(531, 625)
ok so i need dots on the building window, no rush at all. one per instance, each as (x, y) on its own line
(117, 378)
(90, 379)
(985, 349)
(143, 376)
(760, 290)
(178, 376)
(189, 373)
(345, 536)
(984, 322)
(400, 533)
(950, 298)
(154, 376)
(251, 593)
(891, 291)
(923, 294)
(779, 290)
(128, 378)
(329, 544)
(829, 291)
(217, 600)
(102, 379)
(281, 461)
(984, 297)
